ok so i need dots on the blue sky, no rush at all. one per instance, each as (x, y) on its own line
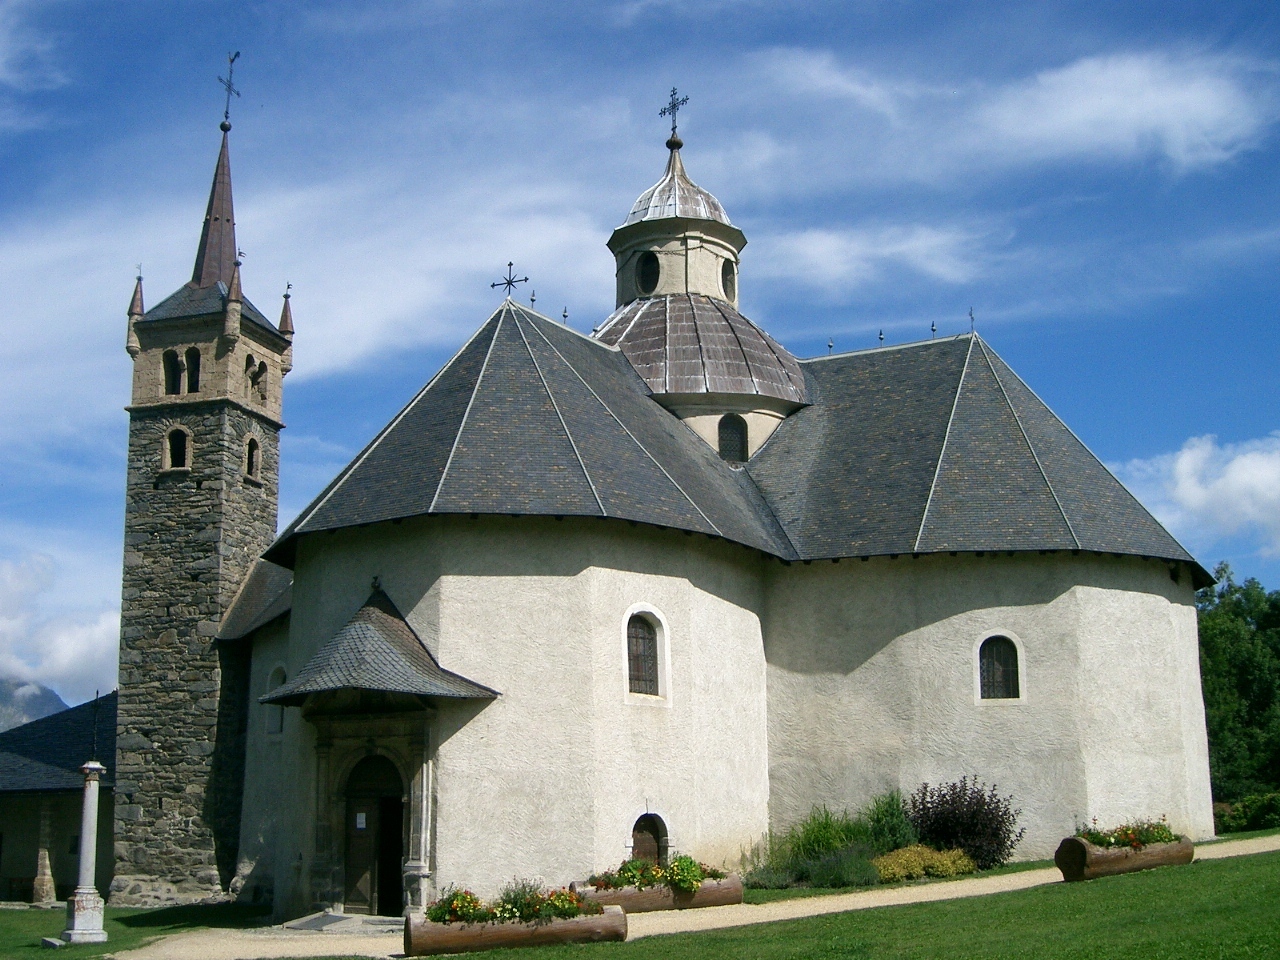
(1098, 181)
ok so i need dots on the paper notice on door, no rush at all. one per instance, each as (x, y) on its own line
(360, 822)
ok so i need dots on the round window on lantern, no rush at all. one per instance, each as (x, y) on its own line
(647, 272)
(728, 280)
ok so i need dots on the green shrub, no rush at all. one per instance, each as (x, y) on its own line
(851, 867)
(1261, 811)
(684, 874)
(1136, 835)
(766, 877)
(888, 827)
(968, 815)
(822, 833)
(458, 906)
(917, 861)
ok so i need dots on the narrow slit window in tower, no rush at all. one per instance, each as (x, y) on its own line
(252, 454)
(733, 438)
(728, 280)
(177, 448)
(250, 368)
(172, 373)
(193, 370)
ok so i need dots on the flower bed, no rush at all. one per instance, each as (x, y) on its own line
(523, 915)
(1093, 853)
(639, 886)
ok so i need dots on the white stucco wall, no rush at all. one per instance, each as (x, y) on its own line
(872, 687)
(548, 779)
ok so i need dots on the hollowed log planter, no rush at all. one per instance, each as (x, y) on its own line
(423, 938)
(712, 893)
(1080, 860)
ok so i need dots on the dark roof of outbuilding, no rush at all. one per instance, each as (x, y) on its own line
(267, 593)
(47, 754)
(376, 650)
(689, 343)
(533, 418)
(936, 447)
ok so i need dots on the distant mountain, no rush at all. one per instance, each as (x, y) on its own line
(21, 702)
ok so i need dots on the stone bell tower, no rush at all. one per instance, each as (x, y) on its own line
(200, 507)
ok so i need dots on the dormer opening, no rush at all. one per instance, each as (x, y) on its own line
(648, 272)
(193, 370)
(733, 438)
(172, 373)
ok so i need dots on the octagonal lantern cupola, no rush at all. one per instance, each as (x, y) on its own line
(677, 318)
(677, 239)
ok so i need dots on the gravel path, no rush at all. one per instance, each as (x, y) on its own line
(277, 942)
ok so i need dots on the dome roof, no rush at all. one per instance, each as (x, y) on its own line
(675, 195)
(688, 343)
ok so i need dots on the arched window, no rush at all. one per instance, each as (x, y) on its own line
(275, 711)
(998, 669)
(252, 454)
(172, 373)
(193, 370)
(728, 280)
(177, 452)
(260, 381)
(733, 438)
(649, 839)
(648, 272)
(642, 656)
(250, 368)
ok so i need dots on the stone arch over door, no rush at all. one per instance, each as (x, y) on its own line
(374, 849)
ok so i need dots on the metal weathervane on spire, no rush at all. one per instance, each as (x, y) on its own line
(509, 281)
(230, 88)
(672, 108)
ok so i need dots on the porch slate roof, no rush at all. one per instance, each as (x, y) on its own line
(47, 754)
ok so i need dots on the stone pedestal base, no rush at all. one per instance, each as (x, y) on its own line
(84, 917)
(42, 890)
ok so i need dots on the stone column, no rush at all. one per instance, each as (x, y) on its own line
(42, 891)
(84, 909)
(417, 867)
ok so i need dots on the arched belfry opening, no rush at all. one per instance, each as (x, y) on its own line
(649, 839)
(374, 859)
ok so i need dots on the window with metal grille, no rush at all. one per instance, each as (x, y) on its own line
(998, 668)
(642, 656)
(733, 438)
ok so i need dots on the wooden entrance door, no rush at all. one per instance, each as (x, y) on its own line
(374, 859)
(362, 855)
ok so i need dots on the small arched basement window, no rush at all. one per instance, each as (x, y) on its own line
(642, 656)
(649, 839)
(998, 669)
(193, 370)
(177, 452)
(733, 438)
(648, 272)
(252, 458)
(172, 373)
(275, 711)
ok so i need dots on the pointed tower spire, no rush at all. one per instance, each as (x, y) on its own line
(285, 325)
(136, 313)
(216, 257)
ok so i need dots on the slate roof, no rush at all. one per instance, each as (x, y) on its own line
(675, 195)
(376, 650)
(932, 447)
(533, 418)
(688, 343)
(192, 301)
(267, 593)
(47, 754)
(937, 447)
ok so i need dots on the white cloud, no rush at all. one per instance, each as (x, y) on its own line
(74, 653)
(836, 261)
(1193, 110)
(1208, 492)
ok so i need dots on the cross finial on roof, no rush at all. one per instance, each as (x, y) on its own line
(971, 320)
(230, 87)
(671, 109)
(509, 281)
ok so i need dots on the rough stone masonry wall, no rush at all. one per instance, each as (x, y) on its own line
(190, 538)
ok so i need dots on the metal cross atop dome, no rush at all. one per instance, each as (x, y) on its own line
(230, 87)
(672, 108)
(509, 281)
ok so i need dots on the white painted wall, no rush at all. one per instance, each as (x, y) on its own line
(871, 687)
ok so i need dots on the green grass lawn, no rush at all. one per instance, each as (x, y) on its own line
(21, 930)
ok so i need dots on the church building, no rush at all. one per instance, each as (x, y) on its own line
(654, 590)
